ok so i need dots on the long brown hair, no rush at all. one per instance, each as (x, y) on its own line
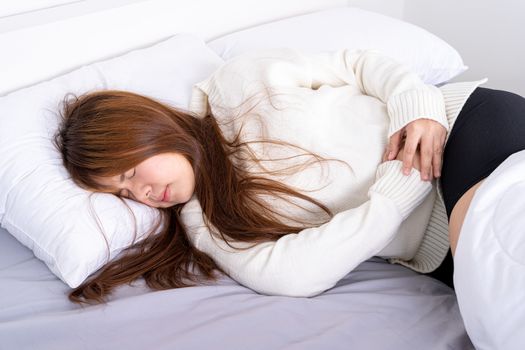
(105, 133)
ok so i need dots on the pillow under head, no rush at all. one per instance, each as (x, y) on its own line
(39, 203)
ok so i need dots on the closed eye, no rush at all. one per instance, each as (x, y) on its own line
(123, 175)
(124, 192)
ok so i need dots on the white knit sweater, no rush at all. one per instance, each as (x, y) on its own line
(344, 106)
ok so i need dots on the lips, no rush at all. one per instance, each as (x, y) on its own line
(166, 194)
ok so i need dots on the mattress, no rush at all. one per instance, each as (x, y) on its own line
(377, 306)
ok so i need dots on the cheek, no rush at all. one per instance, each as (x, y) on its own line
(190, 176)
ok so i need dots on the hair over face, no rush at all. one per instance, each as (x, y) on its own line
(105, 133)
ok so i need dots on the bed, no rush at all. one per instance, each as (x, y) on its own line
(376, 306)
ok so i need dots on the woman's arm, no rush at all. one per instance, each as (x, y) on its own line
(414, 108)
(407, 97)
(312, 261)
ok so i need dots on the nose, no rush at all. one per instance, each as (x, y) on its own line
(141, 191)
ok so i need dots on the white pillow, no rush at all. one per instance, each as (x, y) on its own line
(431, 58)
(39, 204)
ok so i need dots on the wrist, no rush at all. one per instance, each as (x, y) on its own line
(406, 191)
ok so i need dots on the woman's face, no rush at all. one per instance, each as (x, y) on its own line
(160, 181)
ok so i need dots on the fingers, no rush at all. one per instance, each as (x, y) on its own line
(394, 144)
(437, 158)
(423, 148)
(409, 151)
(427, 157)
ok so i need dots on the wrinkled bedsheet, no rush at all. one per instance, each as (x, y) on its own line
(377, 306)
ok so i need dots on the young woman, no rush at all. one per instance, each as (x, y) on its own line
(290, 170)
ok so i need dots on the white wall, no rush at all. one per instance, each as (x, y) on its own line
(200, 16)
(489, 35)
(392, 8)
(18, 14)
(14, 7)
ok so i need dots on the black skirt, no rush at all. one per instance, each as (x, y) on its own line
(489, 128)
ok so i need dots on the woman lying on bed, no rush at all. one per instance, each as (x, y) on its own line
(290, 170)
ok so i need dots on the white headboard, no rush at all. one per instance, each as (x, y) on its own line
(40, 44)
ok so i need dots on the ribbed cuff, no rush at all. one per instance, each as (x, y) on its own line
(199, 101)
(407, 191)
(410, 105)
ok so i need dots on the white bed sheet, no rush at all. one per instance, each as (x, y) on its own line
(377, 306)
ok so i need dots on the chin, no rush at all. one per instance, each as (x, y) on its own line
(186, 198)
(167, 205)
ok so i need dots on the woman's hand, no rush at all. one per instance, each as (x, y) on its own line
(401, 154)
(420, 141)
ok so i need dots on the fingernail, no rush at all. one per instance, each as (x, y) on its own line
(390, 155)
(406, 171)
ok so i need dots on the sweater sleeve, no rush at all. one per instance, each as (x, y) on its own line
(406, 97)
(313, 260)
